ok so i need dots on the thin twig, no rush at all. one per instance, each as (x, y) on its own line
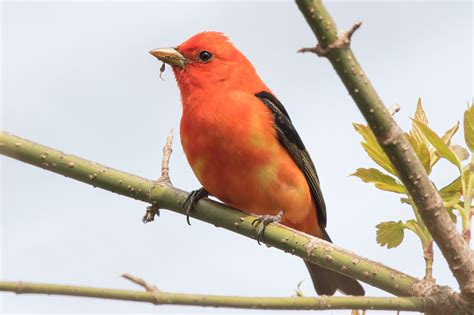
(154, 209)
(169, 298)
(165, 164)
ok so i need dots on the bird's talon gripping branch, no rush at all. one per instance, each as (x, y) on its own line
(263, 220)
(343, 40)
(193, 197)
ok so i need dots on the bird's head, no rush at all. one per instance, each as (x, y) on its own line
(207, 60)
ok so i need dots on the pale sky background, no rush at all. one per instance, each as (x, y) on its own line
(78, 77)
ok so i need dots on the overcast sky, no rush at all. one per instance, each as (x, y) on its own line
(78, 77)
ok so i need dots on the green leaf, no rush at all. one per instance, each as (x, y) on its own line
(390, 233)
(469, 127)
(381, 180)
(420, 115)
(373, 149)
(439, 144)
(447, 136)
(421, 150)
(460, 152)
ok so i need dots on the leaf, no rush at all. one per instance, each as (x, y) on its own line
(381, 180)
(420, 115)
(469, 127)
(421, 150)
(447, 136)
(439, 144)
(373, 149)
(460, 152)
(390, 233)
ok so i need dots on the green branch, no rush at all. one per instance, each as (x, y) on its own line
(165, 196)
(166, 298)
(389, 135)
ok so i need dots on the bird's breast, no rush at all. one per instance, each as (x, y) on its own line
(230, 143)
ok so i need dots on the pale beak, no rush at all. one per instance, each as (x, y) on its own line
(170, 56)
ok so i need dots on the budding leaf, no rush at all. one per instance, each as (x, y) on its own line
(438, 143)
(460, 152)
(373, 149)
(390, 233)
(421, 150)
(469, 127)
(447, 136)
(381, 180)
(420, 115)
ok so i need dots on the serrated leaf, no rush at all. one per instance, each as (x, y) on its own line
(373, 149)
(420, 115)
(421, 150)
(390, 234)
(447, 136)
(469, 127)
(381, 180)
(438, 143)
(460, 152)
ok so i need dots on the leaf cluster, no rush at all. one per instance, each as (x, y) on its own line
(430, 149)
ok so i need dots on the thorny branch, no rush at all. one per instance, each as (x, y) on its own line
(457, 253)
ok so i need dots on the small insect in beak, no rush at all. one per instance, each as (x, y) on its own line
(162, 69)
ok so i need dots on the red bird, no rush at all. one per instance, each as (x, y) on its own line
(242, 146)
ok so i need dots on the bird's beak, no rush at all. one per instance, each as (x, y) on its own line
(170, 56)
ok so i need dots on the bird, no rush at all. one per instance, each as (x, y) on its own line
(243, 147)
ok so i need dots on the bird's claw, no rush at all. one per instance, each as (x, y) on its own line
(193, 197)
(263, 220)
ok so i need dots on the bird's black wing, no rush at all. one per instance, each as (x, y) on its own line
(291, 141)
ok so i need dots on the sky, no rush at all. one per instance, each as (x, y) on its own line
(77, 76)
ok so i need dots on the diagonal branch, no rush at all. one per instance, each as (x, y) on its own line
(151, 295)
(166, 196)
(457, 253)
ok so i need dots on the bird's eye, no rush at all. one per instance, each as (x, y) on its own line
(205, 56)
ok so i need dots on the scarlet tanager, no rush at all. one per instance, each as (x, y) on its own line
(242, 146)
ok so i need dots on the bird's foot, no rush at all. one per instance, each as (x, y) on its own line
(193, 197)
(263, 220)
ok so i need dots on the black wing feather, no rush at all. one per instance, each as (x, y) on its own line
(291, 141)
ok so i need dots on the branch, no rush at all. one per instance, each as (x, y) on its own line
(457, 253)
(168, 298)
(165, 196)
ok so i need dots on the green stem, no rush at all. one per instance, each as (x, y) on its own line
(167, 298)
(389, 135)
(467, 213)
(165, 196)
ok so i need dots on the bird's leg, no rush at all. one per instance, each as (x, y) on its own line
(193, 197)
(264, 220)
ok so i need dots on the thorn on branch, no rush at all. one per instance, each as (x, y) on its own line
(343, 40)
(148, 287)
(394, 109)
